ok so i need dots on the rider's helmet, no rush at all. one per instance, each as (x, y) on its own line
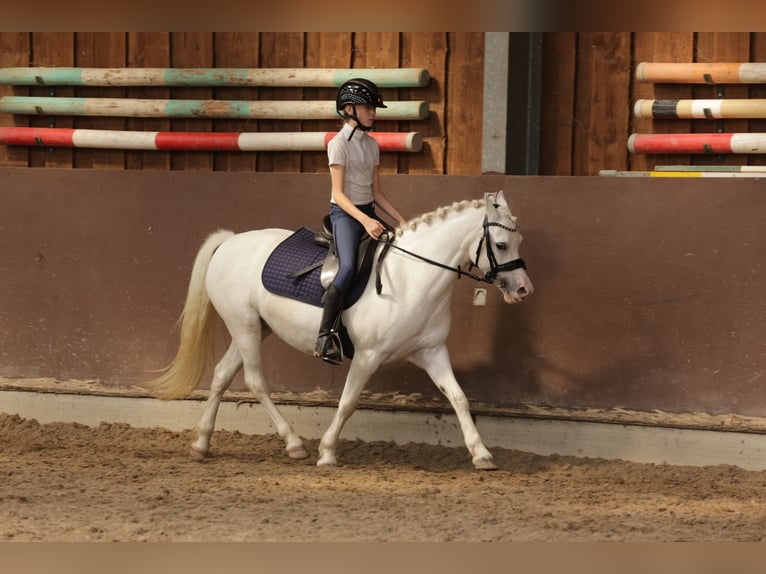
(358, 91)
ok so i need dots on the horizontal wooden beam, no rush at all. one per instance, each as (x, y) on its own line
(309, 77)
(700, 109)
(755, 168)
(701, 73)
(196, 141)
(147, 108)
(679, 173)
(703, 143)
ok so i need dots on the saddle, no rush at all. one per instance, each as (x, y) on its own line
(325, 238)
(305, 263)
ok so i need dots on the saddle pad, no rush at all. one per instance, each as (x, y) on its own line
(294, 254)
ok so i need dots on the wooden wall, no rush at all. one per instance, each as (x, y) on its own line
(588, 91)
(461, 53)
(644, 302)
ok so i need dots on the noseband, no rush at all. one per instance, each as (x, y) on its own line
(488, 277)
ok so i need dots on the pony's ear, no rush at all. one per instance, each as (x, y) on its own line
(491, 205)
(494, 200)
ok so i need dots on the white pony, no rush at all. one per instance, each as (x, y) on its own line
(409, 320)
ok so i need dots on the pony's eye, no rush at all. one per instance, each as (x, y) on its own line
(501, 246)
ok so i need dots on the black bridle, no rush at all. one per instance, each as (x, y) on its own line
(494, 268)
(488, 277)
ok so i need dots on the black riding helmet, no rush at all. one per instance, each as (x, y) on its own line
(358, 91)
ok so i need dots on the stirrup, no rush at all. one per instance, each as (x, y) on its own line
(329, 348)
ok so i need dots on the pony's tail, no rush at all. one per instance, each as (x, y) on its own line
(197, 336)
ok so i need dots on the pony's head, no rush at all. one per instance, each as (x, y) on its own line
(497, 253)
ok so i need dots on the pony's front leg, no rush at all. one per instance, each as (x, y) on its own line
(437, 364)
(224, 373)
(358, 374)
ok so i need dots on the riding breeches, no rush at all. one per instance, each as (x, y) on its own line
(348, 232)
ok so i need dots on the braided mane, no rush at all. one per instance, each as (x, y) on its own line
(439, 213)
(442, 213)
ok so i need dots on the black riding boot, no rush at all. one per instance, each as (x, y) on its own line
(328, 343)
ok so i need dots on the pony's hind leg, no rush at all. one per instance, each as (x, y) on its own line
(250, 349)
(224, 373)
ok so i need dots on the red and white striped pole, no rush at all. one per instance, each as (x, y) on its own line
(707, 143)
(196, 141)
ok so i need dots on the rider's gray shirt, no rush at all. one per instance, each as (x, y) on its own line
(359, 156)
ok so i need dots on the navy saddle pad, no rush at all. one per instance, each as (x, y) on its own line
(298, 252)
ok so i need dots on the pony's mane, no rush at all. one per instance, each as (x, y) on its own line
(444, 211)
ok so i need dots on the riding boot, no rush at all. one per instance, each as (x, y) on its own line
(328, 342)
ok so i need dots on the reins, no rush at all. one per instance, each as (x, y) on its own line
(489, 277)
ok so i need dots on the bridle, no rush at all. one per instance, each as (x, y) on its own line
(489, 276)
(494, 268)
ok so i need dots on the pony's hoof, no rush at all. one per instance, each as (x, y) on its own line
(484, 464)
(297, 452)
(197, 455)
(327, 461)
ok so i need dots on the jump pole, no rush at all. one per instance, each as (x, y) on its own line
(718, 168)
(196, 141)
(700, 109)
(701, 73)
(145, 108)
(703, 174)
(211, 77)
(704, 143)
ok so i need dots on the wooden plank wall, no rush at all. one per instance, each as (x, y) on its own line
(588, 93)
(14, 51)
(436, 52)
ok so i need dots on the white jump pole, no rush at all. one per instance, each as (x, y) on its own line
(147, 108)
(210, 77)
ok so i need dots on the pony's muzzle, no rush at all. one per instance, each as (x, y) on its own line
(516, 289)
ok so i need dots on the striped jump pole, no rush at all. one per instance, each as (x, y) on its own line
(727, 168)
(703, 174)
(211, 77)
(701, 73)
(700, 109)
(144, 108)
(196, 141)
(706, 143)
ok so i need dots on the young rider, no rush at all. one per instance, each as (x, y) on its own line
(353, 158)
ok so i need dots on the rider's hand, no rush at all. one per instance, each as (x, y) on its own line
(373, 227)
